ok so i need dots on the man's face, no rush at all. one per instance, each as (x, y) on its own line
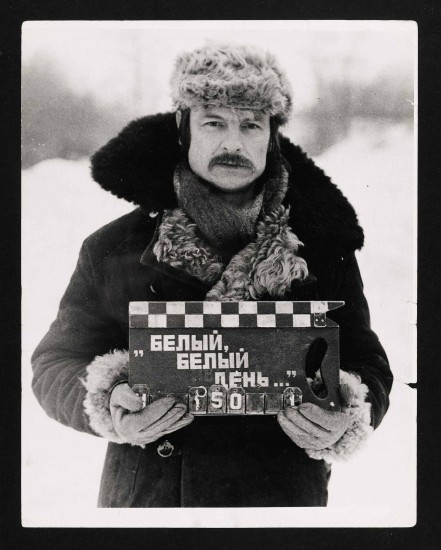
(228, 146)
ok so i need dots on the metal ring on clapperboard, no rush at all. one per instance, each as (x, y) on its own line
(197, 388)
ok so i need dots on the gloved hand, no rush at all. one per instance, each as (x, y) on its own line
(311, 427)
(140, 426)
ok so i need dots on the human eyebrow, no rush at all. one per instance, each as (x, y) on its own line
(253, 117)
(212, 116)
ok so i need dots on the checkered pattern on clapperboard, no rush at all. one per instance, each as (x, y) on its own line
(270, 314)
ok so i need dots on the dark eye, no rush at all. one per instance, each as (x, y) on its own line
(252, 126)
(213, 123)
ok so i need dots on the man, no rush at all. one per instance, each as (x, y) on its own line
(229, 210)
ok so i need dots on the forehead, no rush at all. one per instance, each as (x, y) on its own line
(228, 113)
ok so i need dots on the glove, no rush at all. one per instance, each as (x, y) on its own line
(311, 427)
(140, 426)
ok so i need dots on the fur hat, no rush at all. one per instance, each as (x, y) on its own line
(243, 77)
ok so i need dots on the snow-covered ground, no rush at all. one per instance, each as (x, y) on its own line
(61, 467)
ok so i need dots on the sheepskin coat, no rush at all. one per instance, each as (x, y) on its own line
(240, 461)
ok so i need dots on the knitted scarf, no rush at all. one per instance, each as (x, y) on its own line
(228, 228)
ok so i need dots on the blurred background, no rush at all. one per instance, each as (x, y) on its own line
(354, 106)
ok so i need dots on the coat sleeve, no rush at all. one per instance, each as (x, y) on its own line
(363, 361)
(78, 343)
(360, 349)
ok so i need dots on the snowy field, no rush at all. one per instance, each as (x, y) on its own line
(61, 467)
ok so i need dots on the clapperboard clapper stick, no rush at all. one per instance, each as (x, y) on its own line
(226, 358)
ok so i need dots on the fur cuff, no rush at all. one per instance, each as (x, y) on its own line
(102, 375)
(359, 428)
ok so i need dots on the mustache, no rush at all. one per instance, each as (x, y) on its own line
(231, 159)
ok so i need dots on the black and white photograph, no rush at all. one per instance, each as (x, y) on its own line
(219, 273)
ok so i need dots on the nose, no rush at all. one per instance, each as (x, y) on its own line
(232, 142)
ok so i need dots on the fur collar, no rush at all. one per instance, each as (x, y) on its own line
(267, 265)
(139, 163)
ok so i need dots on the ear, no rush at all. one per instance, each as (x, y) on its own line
(178, 118)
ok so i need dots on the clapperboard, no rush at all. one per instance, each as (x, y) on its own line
(225, 358)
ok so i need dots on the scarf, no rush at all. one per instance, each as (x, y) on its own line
(228, 228)
(267, 265)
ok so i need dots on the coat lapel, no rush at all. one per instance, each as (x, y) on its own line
(268, 266)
